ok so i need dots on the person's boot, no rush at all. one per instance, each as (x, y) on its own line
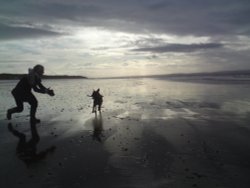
(34, 120)
(8, 115)
(33, 115)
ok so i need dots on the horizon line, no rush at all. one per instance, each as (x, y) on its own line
(214, 73)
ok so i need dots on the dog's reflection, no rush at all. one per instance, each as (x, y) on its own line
(27, 150)
(98, 127)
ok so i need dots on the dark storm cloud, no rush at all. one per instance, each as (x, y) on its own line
(202, 17)
(179, 17)
(66, 11)
(13, 32)
(180, 48)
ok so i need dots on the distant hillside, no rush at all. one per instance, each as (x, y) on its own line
(237, 73)
(6, 76)
(211, 77)
(234, 74)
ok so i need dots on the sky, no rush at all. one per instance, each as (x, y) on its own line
(103, 38)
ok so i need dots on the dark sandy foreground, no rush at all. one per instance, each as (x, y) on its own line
(125, 149)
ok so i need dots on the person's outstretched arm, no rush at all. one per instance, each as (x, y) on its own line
(42, 89)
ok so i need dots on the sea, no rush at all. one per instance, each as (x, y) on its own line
(155, 97)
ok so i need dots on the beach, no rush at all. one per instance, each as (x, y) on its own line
(150, 133)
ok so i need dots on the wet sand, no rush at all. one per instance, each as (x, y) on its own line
(151, 141)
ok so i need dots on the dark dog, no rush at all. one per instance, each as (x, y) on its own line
(97, 97)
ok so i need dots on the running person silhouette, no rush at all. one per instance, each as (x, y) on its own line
(22, 92)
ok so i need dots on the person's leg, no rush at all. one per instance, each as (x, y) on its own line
(99, 105)
(17, 109)
(31, 99)
(94, 107)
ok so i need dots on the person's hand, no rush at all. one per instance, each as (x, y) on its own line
(50, 92)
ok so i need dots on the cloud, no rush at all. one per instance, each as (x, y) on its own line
(187, 48)
(179, 17)
(19, 32)
(113, 31)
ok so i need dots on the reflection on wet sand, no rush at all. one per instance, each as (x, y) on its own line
(27, 150)
(97, 127)
(157, 134)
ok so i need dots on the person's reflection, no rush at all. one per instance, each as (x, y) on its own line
(98, 127)
(27, 150)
